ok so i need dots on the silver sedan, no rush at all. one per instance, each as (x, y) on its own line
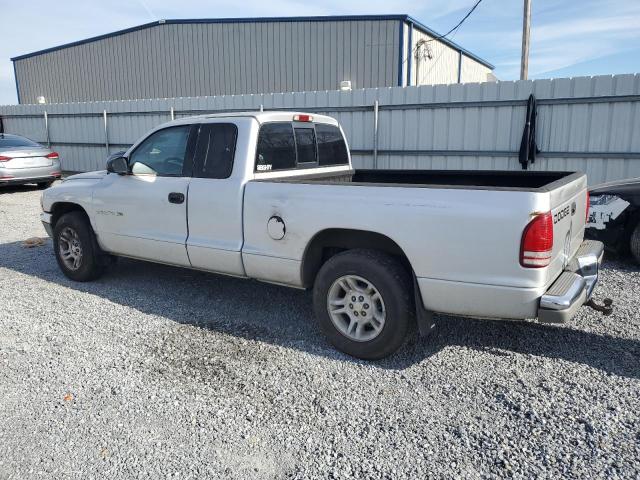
(25, 161)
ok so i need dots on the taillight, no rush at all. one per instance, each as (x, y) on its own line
(53, 156)
(537, 242)
(4, 159)
(586, 219)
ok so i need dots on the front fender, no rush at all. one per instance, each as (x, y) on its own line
(71, 192)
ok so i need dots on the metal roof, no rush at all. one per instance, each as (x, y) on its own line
(345, 18)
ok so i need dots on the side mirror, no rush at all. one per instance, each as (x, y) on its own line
(118, 165)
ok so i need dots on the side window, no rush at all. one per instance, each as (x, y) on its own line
(306, 143)
(276, 147)
(331, 147)
(162, 153)
(215, 150)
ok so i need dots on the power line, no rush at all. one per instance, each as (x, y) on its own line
(459, 23)
(440, 37)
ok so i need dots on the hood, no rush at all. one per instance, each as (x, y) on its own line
(97, 175)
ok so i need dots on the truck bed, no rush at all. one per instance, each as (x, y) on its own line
(470, 179)
(461, 231)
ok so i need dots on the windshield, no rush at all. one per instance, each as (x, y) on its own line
(15, 141)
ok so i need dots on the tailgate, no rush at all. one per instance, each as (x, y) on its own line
(568, 209)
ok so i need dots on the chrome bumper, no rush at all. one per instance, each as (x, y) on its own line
(574, 286)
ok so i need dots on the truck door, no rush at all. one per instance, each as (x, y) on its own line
(144, 214)
(215, 200)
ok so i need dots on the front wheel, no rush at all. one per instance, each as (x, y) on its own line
(362, 300)
(76, 249)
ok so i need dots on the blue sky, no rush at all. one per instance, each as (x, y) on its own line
(569, 37)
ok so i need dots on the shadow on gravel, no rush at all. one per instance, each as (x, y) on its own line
(283, 316)
(17, 188)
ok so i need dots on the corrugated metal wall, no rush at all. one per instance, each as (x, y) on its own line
(442, 67)
(434, 62)
(197, 59)
(590, 124)
(472, 71)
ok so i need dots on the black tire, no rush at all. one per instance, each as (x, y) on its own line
(44, 185)
(392, 282)
(90, 265)
(634, 243)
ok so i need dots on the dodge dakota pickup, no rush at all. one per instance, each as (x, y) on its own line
(273, 196)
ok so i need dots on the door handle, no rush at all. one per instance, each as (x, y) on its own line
(176, 197)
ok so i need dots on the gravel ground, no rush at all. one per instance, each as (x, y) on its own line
(155, 372)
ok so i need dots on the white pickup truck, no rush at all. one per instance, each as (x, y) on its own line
(273, 196)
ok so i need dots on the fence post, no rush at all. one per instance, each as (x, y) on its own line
(261, 107)
(173, 115)
(375, 134)
(106, 132)
(46, 128)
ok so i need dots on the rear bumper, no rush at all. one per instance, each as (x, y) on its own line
(574, 286)
(5, 180)
(17, 176)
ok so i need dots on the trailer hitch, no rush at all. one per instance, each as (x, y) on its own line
(606, 308)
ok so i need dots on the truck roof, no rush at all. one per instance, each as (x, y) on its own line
(262, 117)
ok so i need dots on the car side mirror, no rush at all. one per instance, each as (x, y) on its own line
(119, 165)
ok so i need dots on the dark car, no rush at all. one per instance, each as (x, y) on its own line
(614, 216)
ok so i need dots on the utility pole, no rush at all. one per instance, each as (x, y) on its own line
(526, 29)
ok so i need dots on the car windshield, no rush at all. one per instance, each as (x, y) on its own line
(15, 141)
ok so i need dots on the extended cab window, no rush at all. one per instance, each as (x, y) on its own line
(162, 153)
(276, 147)
(331, 147)
(215, 150)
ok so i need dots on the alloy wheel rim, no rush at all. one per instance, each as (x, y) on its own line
(70, 248)
(356, 308)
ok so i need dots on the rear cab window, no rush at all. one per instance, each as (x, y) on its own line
(298, 145)
(276, 147)
(331, 147)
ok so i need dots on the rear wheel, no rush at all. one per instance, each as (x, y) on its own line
(43, 185)
(76, 249)
(362, 300)
(634, 243)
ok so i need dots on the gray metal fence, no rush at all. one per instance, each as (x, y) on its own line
(590, 124)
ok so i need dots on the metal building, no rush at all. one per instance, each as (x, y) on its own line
(201, 57)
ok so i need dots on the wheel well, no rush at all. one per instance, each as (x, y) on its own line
(60, 208)
(328, 243)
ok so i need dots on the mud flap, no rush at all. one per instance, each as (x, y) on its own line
(424, 317)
